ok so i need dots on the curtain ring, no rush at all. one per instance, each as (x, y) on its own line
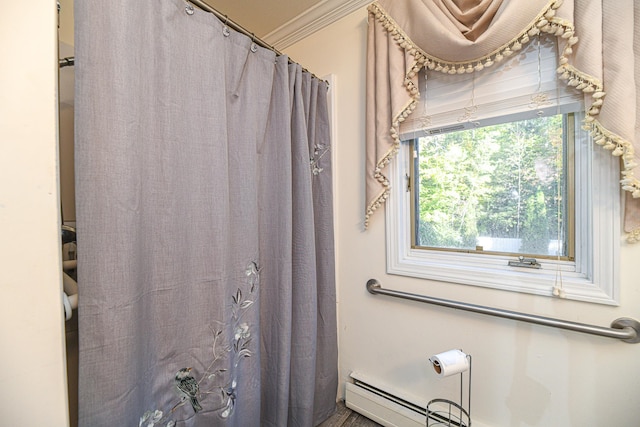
(225, 29)
(254, 46)
(189, 9)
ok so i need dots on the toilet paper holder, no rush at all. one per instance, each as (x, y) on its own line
(445, 412)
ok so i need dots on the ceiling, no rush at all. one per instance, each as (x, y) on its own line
(264, 16)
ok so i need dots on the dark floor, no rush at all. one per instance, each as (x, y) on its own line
(345, 417)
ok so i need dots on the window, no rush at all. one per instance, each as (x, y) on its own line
(496, 189)
(505, 192)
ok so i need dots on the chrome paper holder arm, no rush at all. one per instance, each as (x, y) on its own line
(624, 328)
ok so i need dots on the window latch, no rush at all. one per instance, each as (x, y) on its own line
(525, 262)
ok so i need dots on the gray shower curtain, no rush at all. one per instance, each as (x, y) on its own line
(204, 220)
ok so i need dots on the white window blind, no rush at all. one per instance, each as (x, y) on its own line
(521, 87)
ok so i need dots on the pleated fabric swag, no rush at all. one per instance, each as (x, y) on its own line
(597, 55)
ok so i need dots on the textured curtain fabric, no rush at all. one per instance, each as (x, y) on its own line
(205, 220)
(598, 55)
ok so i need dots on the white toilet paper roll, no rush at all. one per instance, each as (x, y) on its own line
(449, 363)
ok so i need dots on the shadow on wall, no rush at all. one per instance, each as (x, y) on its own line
(528, 398)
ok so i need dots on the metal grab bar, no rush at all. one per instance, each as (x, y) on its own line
(624, 328)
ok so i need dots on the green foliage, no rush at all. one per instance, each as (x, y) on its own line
(535, 231)
(498, 181)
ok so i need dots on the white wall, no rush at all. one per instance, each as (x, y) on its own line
(523, 375)
(32, 359)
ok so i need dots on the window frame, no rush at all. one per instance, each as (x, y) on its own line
(568, 121)
(591, 277)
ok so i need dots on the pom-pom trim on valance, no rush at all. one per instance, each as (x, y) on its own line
(546, 22)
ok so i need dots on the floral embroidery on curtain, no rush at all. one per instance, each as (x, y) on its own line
(214, 380)
(394, 99)
(319, 150)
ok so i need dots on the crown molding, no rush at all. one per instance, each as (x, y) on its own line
(314, 19)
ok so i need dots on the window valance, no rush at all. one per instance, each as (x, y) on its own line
(596, 55)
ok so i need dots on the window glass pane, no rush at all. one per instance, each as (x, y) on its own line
(499, 189)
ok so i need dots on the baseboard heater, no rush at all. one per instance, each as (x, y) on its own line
(388, 407)
(381, 404)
